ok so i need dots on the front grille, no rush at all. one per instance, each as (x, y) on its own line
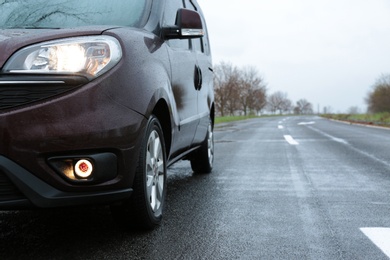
(8, 191)
(12, 96)
(19, 90)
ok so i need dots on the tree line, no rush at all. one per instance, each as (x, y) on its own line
(378, 99)
(243, 91)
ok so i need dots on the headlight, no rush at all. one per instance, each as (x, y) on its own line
(91, 56)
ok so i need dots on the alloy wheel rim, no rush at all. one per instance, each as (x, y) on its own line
(210, 145)
(155, 170)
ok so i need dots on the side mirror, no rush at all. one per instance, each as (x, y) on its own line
(188, 25)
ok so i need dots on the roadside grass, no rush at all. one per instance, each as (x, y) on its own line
(227, 119)
(382, 119)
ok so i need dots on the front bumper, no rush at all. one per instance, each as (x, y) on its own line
(20, 189)
(87, 119)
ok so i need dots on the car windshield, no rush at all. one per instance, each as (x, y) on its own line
(70, 13)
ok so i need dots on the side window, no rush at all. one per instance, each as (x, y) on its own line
(170, 13)
(196, 44)
(205, 39)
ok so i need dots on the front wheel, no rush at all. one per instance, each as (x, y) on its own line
(145, 207)
(202, 159)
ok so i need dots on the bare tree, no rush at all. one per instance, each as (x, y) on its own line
(279, 101)
(378, 99)
(303, 107)
(226, 81)
(260, 100)
(238, 89)
(252, 90)
(286, 106)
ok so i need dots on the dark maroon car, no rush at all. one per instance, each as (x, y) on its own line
(98, 98)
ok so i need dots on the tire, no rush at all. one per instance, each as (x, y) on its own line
(144, 209)
(202, 159)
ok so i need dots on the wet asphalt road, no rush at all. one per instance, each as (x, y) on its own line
(282, 188)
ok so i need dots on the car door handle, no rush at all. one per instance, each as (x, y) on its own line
(198, 78)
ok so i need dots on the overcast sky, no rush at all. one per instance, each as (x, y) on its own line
(329, 52)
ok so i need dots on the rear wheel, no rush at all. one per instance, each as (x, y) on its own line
(202, 159)
(145, 207)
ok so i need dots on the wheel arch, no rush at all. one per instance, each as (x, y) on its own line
(161, 111)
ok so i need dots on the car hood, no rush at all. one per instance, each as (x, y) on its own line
(12, 40)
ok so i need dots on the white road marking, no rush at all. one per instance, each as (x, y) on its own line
(290, 140)
(307, 123)
(342, 141)
(339, 140)
(280, 126)
(380, 237)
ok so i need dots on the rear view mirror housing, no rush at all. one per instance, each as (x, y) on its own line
(188, 26)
